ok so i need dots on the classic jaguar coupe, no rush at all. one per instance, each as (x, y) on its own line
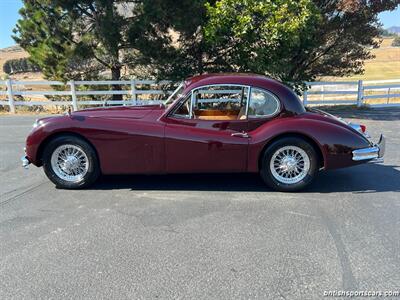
(221, 123)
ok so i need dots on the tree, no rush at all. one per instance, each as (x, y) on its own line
(80, 39)
(173, 46)
(76, 39)
(290, 40)
(297, 41)
(396, 42)
(263, 37)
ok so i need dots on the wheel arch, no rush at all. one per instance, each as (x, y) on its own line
(55, 135)
(308, 139)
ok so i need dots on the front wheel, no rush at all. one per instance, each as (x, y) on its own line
(289, 164)
(70, 162)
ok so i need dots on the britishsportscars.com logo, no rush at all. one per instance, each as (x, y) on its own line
(351, 294)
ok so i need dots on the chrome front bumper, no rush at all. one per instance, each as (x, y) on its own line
(25, 162)
(373, 154)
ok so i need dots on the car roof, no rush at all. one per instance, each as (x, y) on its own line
(288, 98)
(232, 78)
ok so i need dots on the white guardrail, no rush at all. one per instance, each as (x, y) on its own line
(382, 93)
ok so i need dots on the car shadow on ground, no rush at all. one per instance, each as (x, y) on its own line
(360, 179)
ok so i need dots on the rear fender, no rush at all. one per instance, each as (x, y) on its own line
(335, 142)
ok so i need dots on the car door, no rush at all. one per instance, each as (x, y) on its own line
(207, 131)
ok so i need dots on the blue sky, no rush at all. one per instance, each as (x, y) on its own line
(9, 16)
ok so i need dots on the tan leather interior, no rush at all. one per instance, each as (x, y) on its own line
(216, 118)
(216, 114)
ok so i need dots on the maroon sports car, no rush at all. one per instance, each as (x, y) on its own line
(211, 123)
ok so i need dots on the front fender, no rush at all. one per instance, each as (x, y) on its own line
(335, 141)
(47, 128)
(42, 130)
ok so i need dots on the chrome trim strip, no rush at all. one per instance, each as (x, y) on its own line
(174, 92)
(192, 98)
(248, 101)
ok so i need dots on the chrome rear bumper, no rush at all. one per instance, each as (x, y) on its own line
(373, 154)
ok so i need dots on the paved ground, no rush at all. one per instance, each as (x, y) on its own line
(219, 237)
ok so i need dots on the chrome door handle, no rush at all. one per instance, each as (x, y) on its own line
(241, 134)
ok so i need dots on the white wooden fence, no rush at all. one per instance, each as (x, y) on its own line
(377, 93)
(373, 93)
(71, 89)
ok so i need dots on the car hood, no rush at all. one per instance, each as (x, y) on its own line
(131, 112)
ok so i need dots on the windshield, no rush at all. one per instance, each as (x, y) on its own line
(175, 95)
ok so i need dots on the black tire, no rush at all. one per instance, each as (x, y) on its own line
(267, 156)
(92, 173)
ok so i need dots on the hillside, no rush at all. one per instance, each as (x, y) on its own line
(394, 30)
(15, 52)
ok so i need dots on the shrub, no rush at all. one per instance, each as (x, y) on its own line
(396, 42)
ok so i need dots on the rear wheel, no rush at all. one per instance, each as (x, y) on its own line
(289, 164)
(70, 162)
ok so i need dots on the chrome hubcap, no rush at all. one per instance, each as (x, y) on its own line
(70, 163)
(290, 165)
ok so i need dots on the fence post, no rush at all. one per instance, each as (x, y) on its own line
(323, 92)
(10, 96)
(305, 100)
(133, 91)
(360, 93)
(73, 95)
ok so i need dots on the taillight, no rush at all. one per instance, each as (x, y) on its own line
(360, 128)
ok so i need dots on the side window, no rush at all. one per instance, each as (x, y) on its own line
(183, 109)
(220, 102)
(262, 104)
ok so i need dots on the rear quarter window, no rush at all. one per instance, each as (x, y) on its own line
(262, 104)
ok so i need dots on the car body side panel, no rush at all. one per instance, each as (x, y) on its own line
(336, 142)
(124, 145)
(204, 146)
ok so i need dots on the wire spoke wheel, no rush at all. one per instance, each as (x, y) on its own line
(70, 163)
(289, 165)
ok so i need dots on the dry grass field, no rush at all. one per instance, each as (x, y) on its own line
(385, 65)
